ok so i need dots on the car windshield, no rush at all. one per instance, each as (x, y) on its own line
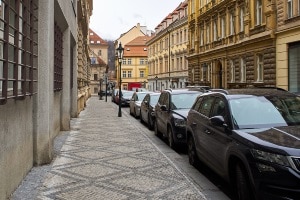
(141, 96)
(154, 99)
(183, 100)
(258, 112)
(127, 94)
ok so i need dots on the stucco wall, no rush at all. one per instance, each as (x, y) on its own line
(16, 144)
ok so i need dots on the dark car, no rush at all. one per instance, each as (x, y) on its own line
(251, 137)
(125, 97)
(170, 114)
(147, 114)
(135, 103)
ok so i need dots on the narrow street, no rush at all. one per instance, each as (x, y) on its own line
(108, 157)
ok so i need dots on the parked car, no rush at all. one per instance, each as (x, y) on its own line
(147, 114)
(113, 95)
(170, 114)
(125, 97)
(135, 103)
(250, 137)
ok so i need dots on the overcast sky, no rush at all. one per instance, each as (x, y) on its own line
(113, 17)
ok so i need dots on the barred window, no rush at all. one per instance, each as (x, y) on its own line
(18, 49)
(58, 58)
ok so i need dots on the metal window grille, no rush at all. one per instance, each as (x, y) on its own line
(18, 49)
(58, 58)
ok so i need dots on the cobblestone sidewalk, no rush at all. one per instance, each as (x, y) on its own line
(109, 157)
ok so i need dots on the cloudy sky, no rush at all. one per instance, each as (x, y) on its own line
(113, 17)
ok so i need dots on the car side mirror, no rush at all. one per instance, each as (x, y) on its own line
(217, 120)
(163, 107)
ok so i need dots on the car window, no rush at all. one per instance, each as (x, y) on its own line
(153, 99)
(206, 105)
(218, 108)
(147, 97)
(255, 112)
(140, 96)
(197, 104)
(183, 100)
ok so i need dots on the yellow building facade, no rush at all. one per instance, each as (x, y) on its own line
(288, 45)
(232, 43)
(168, 67)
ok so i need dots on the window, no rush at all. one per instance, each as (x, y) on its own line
(129, 61)
(129, 74)
(232, 72)
(258, 12)
(124, 61)
(142, 61)
(241, 19)
(123, 74)
(215, 30)
(243, 70)
(201, 37)
(18, 44)
(58, 58)
(205, 106)
(93, 60)
(231, 24)
(95, 77)
(259, 68)
(100, 52)
(223, 27)
(294, 69)
(207, 34)
(289, 8)
(142, 74)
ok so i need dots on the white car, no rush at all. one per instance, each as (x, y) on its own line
(135, 103)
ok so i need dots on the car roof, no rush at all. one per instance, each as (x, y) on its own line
(183, 90)
(253, 91)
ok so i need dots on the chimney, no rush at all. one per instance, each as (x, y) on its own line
(138, 26)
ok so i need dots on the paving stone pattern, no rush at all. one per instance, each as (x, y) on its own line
(108, 157)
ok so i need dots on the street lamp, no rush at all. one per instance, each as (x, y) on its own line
(120, 51)
(156, 83)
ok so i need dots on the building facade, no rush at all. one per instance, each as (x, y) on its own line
(135, 64)
(126, 37)
(167, 51)
(38, 83)
(288, 45)
(232, 43)
(99, 62)
(85, 8)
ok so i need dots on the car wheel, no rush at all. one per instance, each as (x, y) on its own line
(242, 186)
(156, 131)
(171, 139)
(193, 158)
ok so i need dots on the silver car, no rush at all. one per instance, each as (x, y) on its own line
(135, 103)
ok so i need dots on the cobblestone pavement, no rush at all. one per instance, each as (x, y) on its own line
(110, 157)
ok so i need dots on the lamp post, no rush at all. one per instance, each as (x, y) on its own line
(120, 51)
(156, 83)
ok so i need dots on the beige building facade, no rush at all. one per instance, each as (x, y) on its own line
(99, 58)
(232, 43)
(167, 51)
(135, 64)
(85, 9)
(124, 38)
(288, 45)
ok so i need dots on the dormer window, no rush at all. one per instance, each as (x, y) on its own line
(98, 42)
(91, 33)
(92, 42)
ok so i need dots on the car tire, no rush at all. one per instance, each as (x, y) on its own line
(193, 157)
(171, 141)
(241, 186)
(156, 131)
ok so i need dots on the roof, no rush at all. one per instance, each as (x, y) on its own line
(255, 91)
(137, 47)
(96, 39)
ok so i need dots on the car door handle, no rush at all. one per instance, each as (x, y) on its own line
(194, 124)
(207, 132)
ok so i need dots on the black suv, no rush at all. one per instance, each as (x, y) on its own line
(170, 114)
(251, 137)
